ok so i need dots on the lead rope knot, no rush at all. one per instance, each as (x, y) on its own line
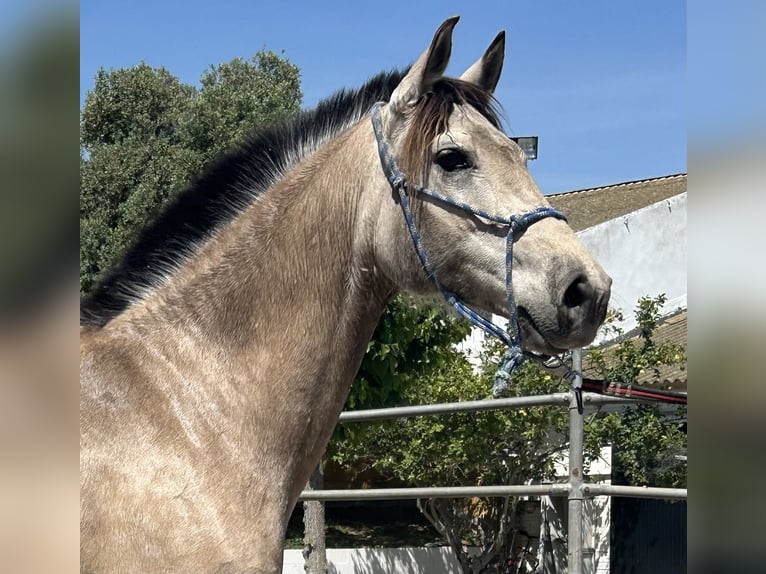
(398, 181)
(512, 358)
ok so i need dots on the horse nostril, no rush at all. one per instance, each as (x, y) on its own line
(578, 293)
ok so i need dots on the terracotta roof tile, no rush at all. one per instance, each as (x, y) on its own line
(671, 329)
(588, 207)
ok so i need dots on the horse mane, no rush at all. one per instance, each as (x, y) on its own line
(240, 176)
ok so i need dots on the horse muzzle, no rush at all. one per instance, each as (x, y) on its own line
(578, 309)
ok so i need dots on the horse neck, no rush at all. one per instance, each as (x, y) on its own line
(292, 276)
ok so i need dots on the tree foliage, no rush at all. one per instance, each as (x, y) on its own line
(413, 338)
(144, 135)
(494, 447)
(647, 441)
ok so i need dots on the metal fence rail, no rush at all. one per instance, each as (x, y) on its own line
(561, 399)
(576, 490)
(561, 489)
(436, 492)
(634, 491)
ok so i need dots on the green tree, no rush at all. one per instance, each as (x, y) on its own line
(414, 337)
(144, 135)
(237, 95)
(647, 440)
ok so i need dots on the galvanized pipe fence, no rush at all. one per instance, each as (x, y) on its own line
(575, 489)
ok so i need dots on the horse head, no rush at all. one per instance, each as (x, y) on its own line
(445, 134)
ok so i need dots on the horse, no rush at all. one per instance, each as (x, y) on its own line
(217, 356)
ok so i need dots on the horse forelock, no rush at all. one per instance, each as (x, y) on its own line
(430, 117)
(226, 188)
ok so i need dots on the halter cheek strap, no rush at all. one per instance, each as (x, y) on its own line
(512, 337)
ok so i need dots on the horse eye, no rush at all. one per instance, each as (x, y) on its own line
(452, 159)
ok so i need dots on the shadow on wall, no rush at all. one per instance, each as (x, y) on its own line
(405, 560)
(596, 533)
(597, 512)
(436, 560)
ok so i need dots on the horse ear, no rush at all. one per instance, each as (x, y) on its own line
(485, 73)
(428, 68)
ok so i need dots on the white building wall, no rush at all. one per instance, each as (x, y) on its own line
(436, 560)
(645, 254)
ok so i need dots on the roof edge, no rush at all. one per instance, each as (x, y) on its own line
(621, 184)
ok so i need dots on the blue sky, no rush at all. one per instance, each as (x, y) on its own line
(602, 83)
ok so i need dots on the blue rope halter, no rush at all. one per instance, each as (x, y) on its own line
(514, 355)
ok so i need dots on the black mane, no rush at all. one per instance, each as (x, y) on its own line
(224, 190)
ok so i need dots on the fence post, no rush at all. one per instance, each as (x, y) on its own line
(575, 497)
(314, 550)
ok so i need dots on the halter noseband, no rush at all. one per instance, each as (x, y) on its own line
(512, 338)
